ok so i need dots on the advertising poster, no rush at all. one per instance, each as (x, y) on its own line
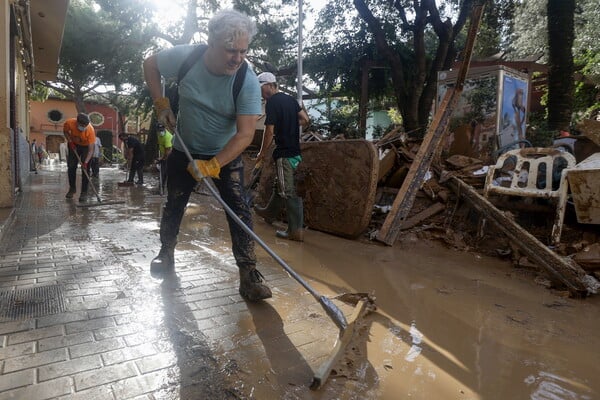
(473, 128)
(513, 111)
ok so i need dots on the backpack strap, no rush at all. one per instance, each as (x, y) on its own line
(240, 75)
(196, 55)
(192, 59)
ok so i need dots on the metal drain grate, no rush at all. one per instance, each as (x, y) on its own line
(31, 302)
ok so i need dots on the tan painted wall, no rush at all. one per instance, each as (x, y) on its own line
(43, 128)
(6, 186)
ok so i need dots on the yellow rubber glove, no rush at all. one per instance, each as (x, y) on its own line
(210, 168)
(164, 114)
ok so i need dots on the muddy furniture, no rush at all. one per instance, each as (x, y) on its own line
(337, 180)
(584, 180)
(561, 270)
(529, 172)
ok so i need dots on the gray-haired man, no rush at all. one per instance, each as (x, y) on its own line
(216, 128)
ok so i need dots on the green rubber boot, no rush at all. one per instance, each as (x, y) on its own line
(295, 217)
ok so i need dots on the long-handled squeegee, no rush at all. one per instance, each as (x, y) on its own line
(346, 329)
(100, 202)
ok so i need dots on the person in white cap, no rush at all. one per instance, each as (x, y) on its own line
(283, 119)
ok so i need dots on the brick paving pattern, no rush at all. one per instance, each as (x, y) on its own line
(124, 334)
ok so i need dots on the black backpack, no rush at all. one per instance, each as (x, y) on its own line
(192, 59)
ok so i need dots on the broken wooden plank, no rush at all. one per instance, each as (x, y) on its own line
(560, 269)
(423, 215)
(406, 196)
(386, 163)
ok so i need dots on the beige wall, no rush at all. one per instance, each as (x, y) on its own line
(42, 127)
(6, 180)
(16, 75)
(49, 133)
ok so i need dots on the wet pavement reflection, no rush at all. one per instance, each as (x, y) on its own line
(448, 325)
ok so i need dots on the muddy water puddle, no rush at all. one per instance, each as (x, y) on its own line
(448, 325)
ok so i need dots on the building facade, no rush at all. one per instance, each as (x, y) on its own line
(31, 33)
(47, 119)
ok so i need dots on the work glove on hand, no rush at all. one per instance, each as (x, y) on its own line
(84, 165)
(72, 146)
(210, 168)
(164, 114)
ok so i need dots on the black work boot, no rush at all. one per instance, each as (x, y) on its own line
(164, 261)
(82, 197)
(70, 193)
(252, 287)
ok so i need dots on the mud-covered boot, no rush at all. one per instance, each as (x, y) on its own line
(297, 235)
(295, 216)
(272, 210)
(265, 214)
(252, 287)
(164, 261)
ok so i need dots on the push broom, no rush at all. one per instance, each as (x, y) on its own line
(361, 301)
(100, 202)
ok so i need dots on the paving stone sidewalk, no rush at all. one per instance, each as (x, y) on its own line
(82, 318)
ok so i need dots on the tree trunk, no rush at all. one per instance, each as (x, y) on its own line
(560, 73)
(415, 85)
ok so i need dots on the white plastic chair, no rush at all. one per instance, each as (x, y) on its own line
(528, 172)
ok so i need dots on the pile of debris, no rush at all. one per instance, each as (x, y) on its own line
(452, 205)
(383, 189)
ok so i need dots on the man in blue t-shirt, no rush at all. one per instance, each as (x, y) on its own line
(283, 120)
(216, 129)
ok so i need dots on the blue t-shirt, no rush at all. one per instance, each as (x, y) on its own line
(207, 112)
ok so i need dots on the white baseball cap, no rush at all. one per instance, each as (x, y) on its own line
(266, 77)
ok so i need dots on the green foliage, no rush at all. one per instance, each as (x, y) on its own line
(40, 92)
(117, 156)
(530, 37)
(529, 33)
(103, 46)
(495, 27)
(395, 116)
(378, 132)
(587, 45)
(404, 43)
(587, 101)
(538, 132)
(482, 99)
(338, 119)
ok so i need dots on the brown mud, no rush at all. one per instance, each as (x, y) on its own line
(448, 324)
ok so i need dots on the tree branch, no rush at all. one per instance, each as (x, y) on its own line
(388, 53)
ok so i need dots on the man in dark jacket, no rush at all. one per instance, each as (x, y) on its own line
(134, 154)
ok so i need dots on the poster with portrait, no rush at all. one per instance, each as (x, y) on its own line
(513, 110)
